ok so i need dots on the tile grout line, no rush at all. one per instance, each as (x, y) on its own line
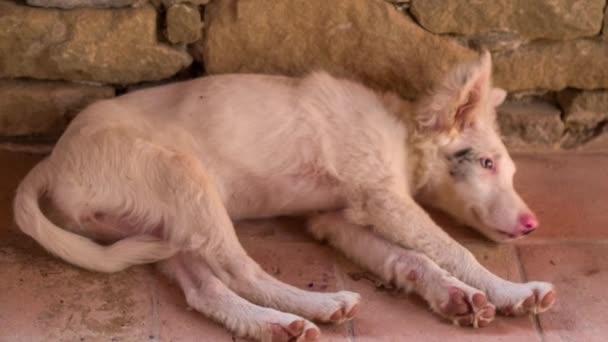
(342, 286)
(566, 241)
(522, 273)
(155, 329)
(535, 242)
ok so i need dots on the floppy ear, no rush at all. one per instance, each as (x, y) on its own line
(456, 103)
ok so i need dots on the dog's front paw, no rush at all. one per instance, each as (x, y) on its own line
(521, 299)
(463, 305)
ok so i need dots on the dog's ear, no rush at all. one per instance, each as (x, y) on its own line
(458, 101)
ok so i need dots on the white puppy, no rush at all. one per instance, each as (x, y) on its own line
(161, 174)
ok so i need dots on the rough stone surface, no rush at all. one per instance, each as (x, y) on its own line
(94, 45)
(585, 114)
(494, 41)
(369, 40)
(169, 3)
(401, 5)
(184, 24)
(537, 123)
(85, 3)
(30, 107)
(553, 65)
(605, 28)
(549, 19)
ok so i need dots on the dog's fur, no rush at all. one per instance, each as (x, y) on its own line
(161, 174)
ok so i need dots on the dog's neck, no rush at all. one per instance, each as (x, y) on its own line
(422, 149)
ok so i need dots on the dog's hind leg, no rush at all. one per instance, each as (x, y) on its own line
(199, 207)
(399, 219)
(405, 268)
(207, 294)
(230, 263)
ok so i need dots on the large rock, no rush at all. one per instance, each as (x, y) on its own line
(184, 24)
(605, 28)
(553, 65)
(168, 3)
(549, 19)
(85, 3)
(585, 114)
(366, 39)
(534, 122)
(94, 45)
(493, 41)
(30, 107)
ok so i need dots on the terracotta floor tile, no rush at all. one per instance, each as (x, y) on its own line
(13, 167)
(569, 193)
(305, 265)
(309, 266)
(580, 273)
(44, 299)
(387, 316)
(178, 323)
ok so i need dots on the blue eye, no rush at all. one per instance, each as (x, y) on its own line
(487, 163)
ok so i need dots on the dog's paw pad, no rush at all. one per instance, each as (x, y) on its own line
(348, 307)
(295, 328)
(338, 315)
(456, 304)
(467, 307)
(310, 334)
(479, 300)
(298, 330)
(279, 333)
(343, 314)
(485, 316)
(353, 311)
(547, 301)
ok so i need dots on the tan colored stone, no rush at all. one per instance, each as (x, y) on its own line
(184, 24)
(553, 65)
(193, 2)
(95, 45)
(29, 107)
(369, 40)
(402, 5)
(585, 114)
(605, 28)
(548, 19)
(68, 4)
(538, 122)
(495, 41)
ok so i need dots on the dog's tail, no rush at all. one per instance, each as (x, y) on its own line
(74, 248)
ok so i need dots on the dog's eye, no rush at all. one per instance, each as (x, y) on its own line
(487, 163)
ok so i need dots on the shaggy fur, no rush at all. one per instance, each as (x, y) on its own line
(159, 175)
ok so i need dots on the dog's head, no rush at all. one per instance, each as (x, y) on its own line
(471, 175)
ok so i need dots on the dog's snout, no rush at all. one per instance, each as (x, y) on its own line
(527, 223)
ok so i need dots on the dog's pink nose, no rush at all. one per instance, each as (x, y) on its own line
(527, 223)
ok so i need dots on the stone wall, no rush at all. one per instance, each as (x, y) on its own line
(57, 56)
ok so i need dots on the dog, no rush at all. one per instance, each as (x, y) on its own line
(161, 174)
